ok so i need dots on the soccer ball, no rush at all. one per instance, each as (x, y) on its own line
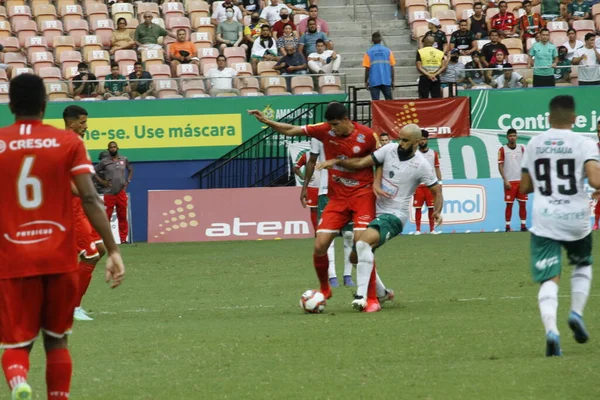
(312, 302)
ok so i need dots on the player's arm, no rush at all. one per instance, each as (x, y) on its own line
(94, 210)
(592, 171)
(438, 171)
(130, 175)
(526, 185)
(74, 190)
(351, 163)
(309, 171)
(438, 203)
(284, 129)
(100, 167)
(301, 163)
(501, 168)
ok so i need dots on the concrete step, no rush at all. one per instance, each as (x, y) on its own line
(360, 13)
(364, 42)
(392, 27)
(354, 60)
(346, 47)
(402, 74)
(350, 3)
(398, 93)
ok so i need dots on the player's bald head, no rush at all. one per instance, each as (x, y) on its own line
(408, 137)
(412, 131)
(27, 96)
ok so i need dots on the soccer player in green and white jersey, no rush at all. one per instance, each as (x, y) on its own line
(555, 166)
(404, 169)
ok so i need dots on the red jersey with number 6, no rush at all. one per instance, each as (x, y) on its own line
(36, 217)
(346, 183)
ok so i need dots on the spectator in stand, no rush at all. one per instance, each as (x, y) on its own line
(121, 37)
(588, 58)
(313, 12)
(552, 10)
(496, 67)
(220, 13)
(431, 64)
(463, 39)
(286, 39)
(182, 52)
(379, 63)
(510, 79)
(249, 7)
(277, 29)
(221, 78)
(440, 41)
(140, 82)
(272, 13)
(473, 71)
(504, 22)
(252, 31)
(264, 48)
(85, 84)
(477, 24)
(298, 6)
(489, 50)
(324, 61)
(562, 72)
(578, 10)
(115, 84)
(147, 34)
(293, 63)
(545, 58)
(572, 43)
(308, 41)
(230, 31)
(530, 23)
(454, 73)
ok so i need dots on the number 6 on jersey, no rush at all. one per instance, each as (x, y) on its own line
(29, 187)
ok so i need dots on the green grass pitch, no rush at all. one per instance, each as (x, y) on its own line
(222, 321)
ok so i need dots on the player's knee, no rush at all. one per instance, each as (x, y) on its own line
(53, 343)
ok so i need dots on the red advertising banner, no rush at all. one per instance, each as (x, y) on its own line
(443, 118)
(227, 214)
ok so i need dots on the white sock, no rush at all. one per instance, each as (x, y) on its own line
(331, 256)
(348, 242)
(548, 302)
(364, 267)
(581, 280)
(380, 287)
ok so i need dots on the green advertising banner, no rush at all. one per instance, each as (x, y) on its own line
(526, 110)
(168, 130)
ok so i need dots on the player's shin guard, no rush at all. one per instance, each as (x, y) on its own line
(364, 268)
(522, 212)
(59, 368)
(548, 303)
(418, 215)
(348, 242)
(321, 264)
(430, 215)
(508, 213)
(581, 281)
(331, 256)
(85, 272)
(15, 363)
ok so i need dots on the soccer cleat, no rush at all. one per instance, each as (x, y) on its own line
(595, 227)
(327, 293)
(359, 303)
(389, 296)
(333, 282)
(524, 229)
(507, 229)
(578, 327)
(417, 233)
(22, 392)
(348, 281)
(81, 315)
(434, 232)
(553, 345)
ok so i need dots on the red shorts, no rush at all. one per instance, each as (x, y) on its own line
(95, 235)
(312, 197)
(28, 305)
(422, 196)
(84, 237)
(338, 213)
(513, 193)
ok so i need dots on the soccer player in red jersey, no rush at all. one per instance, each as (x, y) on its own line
(350, 192)
(423, 195)
(510, 157)
(38, 268)
(89, 244)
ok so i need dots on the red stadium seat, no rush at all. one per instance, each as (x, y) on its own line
(50, 74)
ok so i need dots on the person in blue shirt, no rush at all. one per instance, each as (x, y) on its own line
(308, 42)
(379, 69)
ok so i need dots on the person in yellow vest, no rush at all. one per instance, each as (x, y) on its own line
(430, 63)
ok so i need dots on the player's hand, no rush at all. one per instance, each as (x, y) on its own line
(379, 192)
(258, 115)
(596, 195)
(437, 218)
(303, 197)
(115, 270)
(507, 185)
(106, 184)
(326, 164)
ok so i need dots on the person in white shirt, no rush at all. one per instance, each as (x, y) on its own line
(264, 48)
(588, 58)
(324, 61)
(510, 79)
(220, 13)
(271, 13)
(572, 43)
(221, 78)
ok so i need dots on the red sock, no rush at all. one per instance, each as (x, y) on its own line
(418, 218)
(372, 288)
(59, 368)
(508, 213)
(321, 266)
(85, 277)
(523, 212)
(430, 214)
(15, 363)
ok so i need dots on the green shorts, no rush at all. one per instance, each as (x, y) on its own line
(389, 226)
(546, 256)
(321, 203)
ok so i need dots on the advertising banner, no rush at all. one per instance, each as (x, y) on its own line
(526, 110)
(443, 118)
(169, 130)
(227, 214)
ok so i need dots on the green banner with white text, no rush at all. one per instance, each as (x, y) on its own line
(176, 129)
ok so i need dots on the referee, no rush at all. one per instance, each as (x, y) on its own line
(430, 63)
